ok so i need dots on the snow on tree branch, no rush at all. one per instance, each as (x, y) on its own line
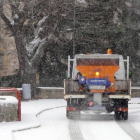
(35, 47)
(81, 3)
(40, 23)
(32, 47)
(40, 29)
(39, 52)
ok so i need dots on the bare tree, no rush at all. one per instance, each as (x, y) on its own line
(29, 53)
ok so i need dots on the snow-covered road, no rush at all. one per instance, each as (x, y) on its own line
(55, 126)
(52, 124)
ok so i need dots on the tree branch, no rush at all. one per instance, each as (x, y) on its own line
(39, 26)
(39, 53)
(13, 6)
(35, 49)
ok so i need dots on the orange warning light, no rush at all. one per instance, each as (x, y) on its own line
(97, 73)
(109, 51)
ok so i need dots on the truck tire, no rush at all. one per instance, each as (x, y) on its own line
(125, 115)
(117, 115)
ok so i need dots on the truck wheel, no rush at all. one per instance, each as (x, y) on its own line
(117, 115)
(68, 115)
(125, 115)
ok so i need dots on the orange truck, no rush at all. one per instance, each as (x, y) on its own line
(98, 82)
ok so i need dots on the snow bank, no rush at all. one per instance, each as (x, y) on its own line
(42, 21)
(8, 100)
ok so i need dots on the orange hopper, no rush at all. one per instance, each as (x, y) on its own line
(105, 67)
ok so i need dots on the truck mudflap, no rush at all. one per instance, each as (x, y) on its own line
(120, 96)
(74, 96)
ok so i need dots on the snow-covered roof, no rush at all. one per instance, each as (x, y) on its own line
(8, 100)
(105, 56)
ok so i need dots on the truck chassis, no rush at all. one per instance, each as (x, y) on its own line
(78, 101)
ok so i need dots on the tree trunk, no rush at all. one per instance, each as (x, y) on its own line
(27, 71)
(20, 46)
(29, 77)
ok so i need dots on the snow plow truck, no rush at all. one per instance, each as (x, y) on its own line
(98, 82)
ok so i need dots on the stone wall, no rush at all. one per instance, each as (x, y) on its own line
(8, 109)
(50, 93)
(58, 93)
(135, 93)
(8, 93)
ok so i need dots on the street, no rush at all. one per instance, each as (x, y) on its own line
(55, 126)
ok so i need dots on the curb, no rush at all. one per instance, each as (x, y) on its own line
(133, 103)
(37, 126)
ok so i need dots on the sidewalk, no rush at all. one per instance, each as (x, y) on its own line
(29, 112)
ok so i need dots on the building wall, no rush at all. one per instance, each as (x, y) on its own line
(8, 54)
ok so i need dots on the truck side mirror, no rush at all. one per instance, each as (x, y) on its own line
(130, 74)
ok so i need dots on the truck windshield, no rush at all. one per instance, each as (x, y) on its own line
(97, 62)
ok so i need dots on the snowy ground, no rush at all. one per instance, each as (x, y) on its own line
(48, 121)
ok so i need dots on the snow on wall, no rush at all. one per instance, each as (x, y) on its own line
(8, 100)
(81, 3)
